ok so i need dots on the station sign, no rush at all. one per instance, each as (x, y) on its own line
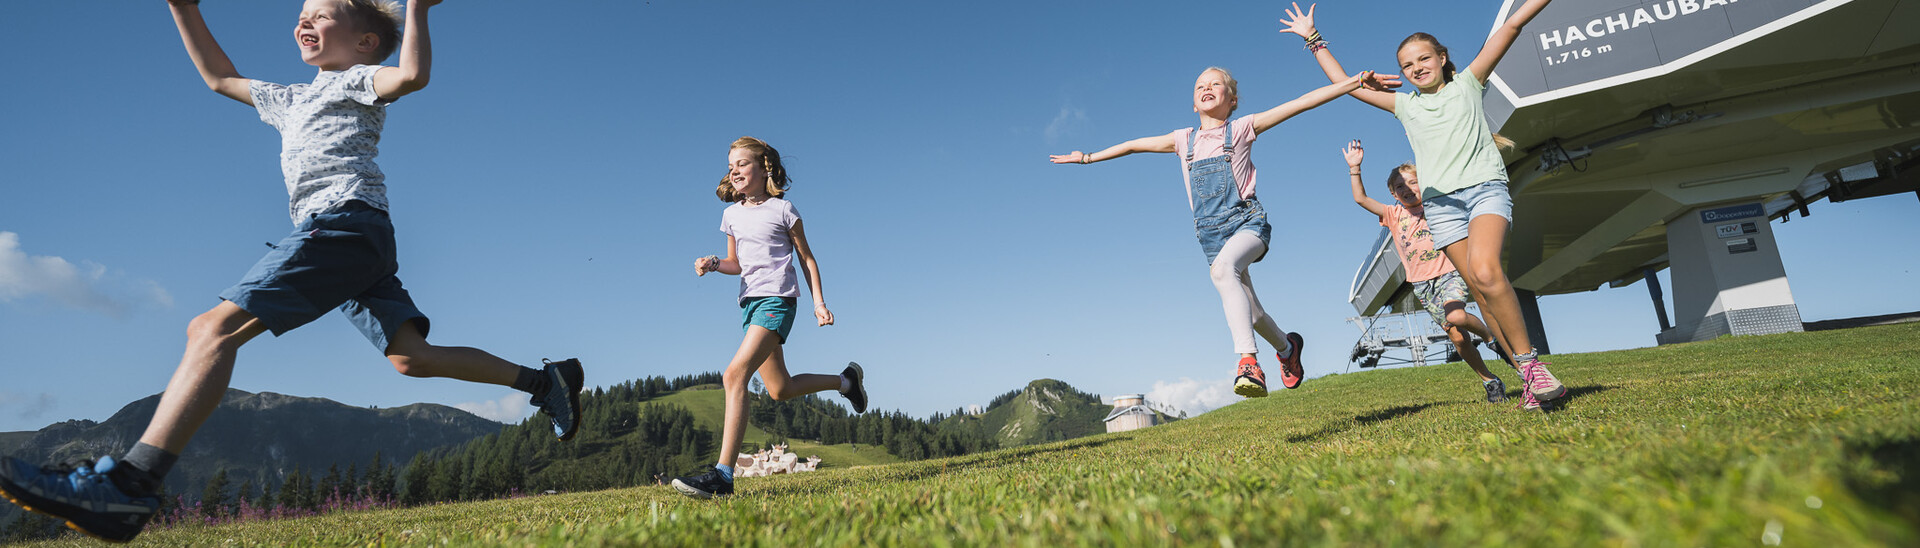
(1580, 46)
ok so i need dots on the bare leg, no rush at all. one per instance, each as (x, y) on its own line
(759, 345)
(213, 341)
(783, 386)
(414, 357)
(1478, 257)
(1468, 353)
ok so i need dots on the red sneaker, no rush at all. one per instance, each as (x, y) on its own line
(1249, 381)
(1291, 372)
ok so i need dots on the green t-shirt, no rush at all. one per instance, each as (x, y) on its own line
(1452, 145)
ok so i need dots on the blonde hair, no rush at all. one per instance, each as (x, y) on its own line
(1397, 178)
(383, 18)
(777, 180)
(1233, 87)
(1502, 142)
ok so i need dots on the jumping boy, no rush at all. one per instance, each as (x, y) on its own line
(340, 254)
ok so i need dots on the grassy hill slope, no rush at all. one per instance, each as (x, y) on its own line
(1796, 439)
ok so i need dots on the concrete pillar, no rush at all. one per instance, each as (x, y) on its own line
(1727, 275)
(1536, 330)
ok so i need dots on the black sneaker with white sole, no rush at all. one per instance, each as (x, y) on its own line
(856, 393)
(704, 486)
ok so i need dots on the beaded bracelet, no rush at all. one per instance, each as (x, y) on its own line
(1316, 45)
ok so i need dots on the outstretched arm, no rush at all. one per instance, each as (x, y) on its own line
(1301, 23)
(416, 56)
(1503, 38)
(1264, 121)
(811, 269)
(1354, 154)
(1157, 143)
(212, 63)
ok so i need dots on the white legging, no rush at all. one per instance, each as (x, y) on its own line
(1244, 315)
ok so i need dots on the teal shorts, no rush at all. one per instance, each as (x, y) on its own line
(773, 313)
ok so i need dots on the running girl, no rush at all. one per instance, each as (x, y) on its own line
(1227, 216)
(1468, 206)
(763, 234)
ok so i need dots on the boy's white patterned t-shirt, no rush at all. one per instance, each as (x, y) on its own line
(329, 134)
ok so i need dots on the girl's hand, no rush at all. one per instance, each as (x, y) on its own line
(703, 265)
(1380, 82)
(1076, 157)
(822, 315)
(1354, 153)
(1299, 22)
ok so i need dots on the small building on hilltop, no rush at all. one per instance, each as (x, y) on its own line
(1130, 412)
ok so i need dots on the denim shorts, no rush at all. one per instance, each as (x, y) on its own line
(773, 313)
(1434, 295)
(1448, 214)
(340, 259)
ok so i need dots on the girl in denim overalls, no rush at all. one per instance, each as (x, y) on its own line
(1468, 206)
(1227, 217)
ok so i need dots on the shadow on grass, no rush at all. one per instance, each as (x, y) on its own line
(1573, 393)
(1893, 482)
(1360, 420)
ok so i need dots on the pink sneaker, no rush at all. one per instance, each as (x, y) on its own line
(1249, 381)
(1527, 403)
(1540, 383)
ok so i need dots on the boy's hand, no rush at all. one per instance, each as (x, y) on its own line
(822, 315)
(703, 265)
(1075, 158)
(1354, 153)
(1299, 22)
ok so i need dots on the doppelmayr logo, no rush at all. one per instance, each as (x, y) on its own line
(1646, 14)
(1731, 213)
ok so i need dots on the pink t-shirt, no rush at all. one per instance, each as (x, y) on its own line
(1415, 244)
(1210, 143)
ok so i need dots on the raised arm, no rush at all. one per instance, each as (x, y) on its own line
(207, 56)
(1158, 143)
(1354, 154)
(1503, 38)
(1264, 121)
(1301, 23)
(811, 269)
(416, 56)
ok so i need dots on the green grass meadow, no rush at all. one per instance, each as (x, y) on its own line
(1806, 439)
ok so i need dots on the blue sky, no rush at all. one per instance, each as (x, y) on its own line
(553, 185)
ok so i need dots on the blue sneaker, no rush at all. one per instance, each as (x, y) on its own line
(81, 494)
(561, 403)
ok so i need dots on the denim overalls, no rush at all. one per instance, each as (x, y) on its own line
(1218, 211)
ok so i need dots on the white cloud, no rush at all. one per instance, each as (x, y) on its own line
(87, 286)
(29, 406)
(510, 409)
(1069, 118)
(1194, 397)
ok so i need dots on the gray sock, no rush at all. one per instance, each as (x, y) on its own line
(147, 465)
